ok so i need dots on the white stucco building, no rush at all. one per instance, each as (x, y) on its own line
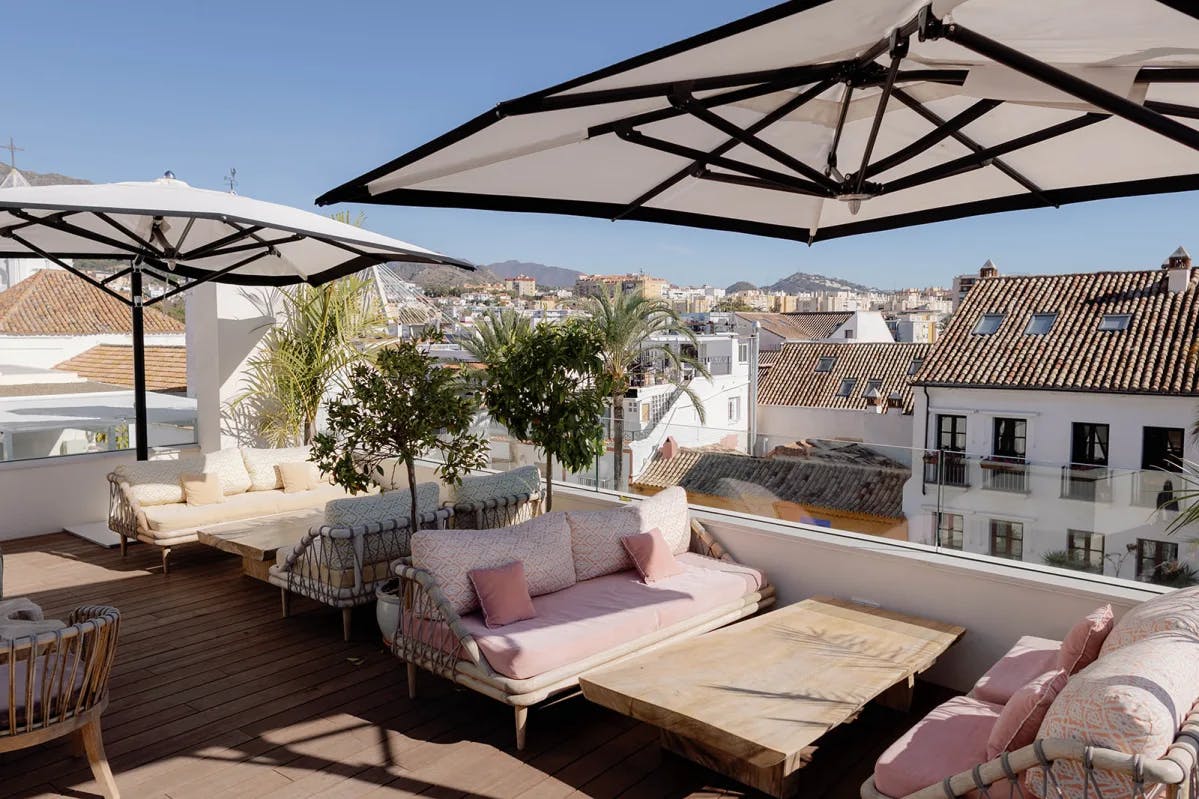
(1055, 413)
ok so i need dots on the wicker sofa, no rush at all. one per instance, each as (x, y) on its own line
(1119, 720)
(147, 503)
(343, 561)
(600, 613)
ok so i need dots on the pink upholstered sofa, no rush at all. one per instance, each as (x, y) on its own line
(592, 607)
(1110, 711)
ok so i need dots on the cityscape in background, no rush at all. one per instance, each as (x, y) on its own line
(1037, 418)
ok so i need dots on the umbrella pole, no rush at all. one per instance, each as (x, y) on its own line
(139, 365)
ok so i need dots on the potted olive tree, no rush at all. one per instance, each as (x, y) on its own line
(405, 405)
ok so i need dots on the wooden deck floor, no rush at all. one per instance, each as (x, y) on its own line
(214, 695)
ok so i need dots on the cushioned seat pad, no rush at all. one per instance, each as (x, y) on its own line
(1028, 659)
(60, 672)
(952, 738)
(604, 612)
(165, 520)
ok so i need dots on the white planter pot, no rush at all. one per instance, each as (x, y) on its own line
(387, 609)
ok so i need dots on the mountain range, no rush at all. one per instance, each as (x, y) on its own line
(42, 178)
(801, 282)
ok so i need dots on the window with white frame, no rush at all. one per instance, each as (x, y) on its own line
(734, 409)
(988, 324)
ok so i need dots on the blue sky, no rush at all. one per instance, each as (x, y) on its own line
(301, 96)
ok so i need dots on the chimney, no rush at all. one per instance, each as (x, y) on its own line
(989, 269)
(1178, 271)
(669, 448)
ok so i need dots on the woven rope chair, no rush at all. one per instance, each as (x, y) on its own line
(496, 512)
(56, 684)
(1175, 775)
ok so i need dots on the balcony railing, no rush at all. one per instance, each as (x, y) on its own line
(1086, 482)
(947, 468)
(1002, 473)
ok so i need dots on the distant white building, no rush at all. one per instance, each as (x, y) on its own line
(777, 328)
(1054, 415)
(963, 283)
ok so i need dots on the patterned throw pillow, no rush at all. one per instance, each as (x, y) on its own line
(667, 510)
(158, 482)
(261, 463)
(542, 545)
(229, 465)
(1132, 700)
(388, 506)
(595, 540)
(525, 480)
(1175, 612)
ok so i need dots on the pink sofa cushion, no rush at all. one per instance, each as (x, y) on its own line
(603, 613)
(1081, 645)
(1174, 613)
(542, 544)
(1132, 700)
(952, 738)
(1028, 659)
(651, 555)
(503, 594)
(1022, 715)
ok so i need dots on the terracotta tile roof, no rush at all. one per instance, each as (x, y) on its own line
(53, 302)
(813, 326)
(793, 379)
(845, 477)
(166, 367)
(1153, 355)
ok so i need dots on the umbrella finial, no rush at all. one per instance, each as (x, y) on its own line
(169, 175)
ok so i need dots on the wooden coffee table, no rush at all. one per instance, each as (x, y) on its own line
(257, 540)
(749, 700)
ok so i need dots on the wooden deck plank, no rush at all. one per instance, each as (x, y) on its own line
(214, 695)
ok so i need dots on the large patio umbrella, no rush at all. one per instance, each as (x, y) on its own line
(180, 237)
(812, 120)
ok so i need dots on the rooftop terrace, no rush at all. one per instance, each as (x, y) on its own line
(214, 695)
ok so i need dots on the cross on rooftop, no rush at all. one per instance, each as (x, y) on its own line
(231, 179)
(12, 152)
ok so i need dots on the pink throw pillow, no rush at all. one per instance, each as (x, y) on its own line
(651, 555)
(1082, 643)
(1021, 717)
(503, 593)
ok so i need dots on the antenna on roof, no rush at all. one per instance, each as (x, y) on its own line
(231, 179)
(12, 152)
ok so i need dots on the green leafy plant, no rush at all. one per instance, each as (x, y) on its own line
(1062, 559)
(320, 332)
(404, 405)
(1174, 574)
(548, 386)
(495, 332)
(626, 325)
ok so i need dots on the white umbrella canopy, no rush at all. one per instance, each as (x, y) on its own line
(813, 120)
(177, 230)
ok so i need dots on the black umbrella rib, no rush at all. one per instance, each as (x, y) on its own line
(267, 243)
(962, 138)
(207, 278)
(79, 273)
(752, 141)
(704, 158)
(987, 155)
(725, 98)
(753, 183)
(1173, 109)
(204, 250)
(899, 50)
(58, 222)
(931, 139)
(129, 234)
(766, 121)
(1073, 85)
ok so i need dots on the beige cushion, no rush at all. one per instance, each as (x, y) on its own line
(525, 480)
(165, 521)
(667, 510)
(541, 544)
(202, 489)
(1175, 613)
(296, 476)
(388, 506)
(157, 482)
(231, 468)
(339, 572)
(261, 463)
(595, 540)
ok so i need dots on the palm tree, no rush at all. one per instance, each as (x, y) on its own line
(319, 334)
(627, 324)
(496, 331)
